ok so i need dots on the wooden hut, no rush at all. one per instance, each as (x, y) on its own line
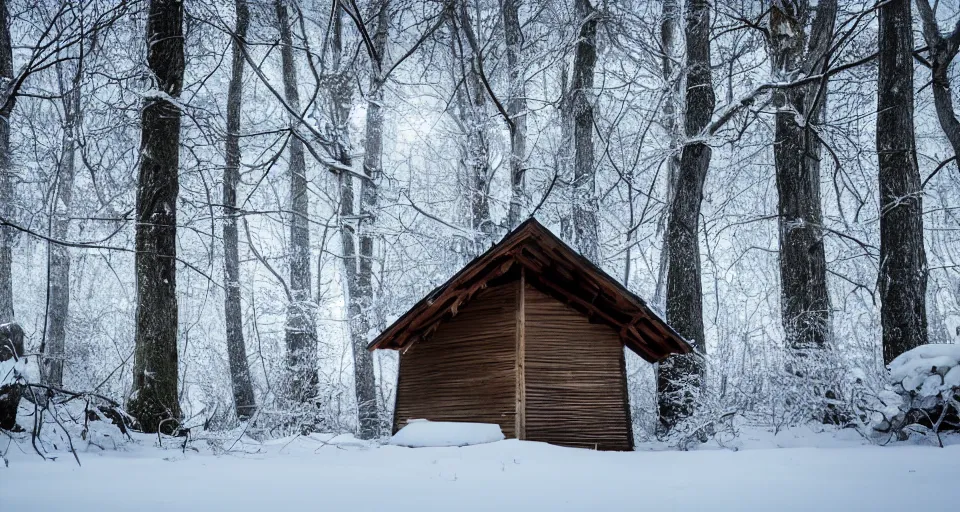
(530, 336)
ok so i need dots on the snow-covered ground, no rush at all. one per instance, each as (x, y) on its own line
(798, 469)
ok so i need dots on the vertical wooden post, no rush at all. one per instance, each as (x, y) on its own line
(521, 424)
(396, 393)
(626, 397)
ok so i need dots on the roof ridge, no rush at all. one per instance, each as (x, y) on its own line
(557, 266)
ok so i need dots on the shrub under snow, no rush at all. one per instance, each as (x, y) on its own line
(923, 386)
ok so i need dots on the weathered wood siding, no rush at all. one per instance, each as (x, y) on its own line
(466, 371)
(575, 378)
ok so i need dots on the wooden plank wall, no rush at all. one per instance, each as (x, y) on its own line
(467, 370)
(575, 380)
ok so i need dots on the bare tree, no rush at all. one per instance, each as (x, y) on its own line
(903, 261)
(585, 225)
(360, 267)
(669, 27)
(6, 171)
(679, 377)
(805, 303)
(941, 51)
(373, 168)
(357, 267)
(243, 399)
(154, 401)
(471, 112)
(516, 108)
(58, 287)
(301, 331)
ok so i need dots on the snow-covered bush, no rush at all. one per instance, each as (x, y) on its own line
(786, 388)
(923, 387)
(812, 384)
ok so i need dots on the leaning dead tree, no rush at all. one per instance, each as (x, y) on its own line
(155, 399)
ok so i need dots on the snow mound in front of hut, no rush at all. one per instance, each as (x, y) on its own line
(429, 434)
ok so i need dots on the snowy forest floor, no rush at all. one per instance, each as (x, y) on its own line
(797, 469)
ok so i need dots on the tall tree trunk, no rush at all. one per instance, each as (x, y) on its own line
(244, 401)
(58, 286)
(585, 226)
(348, 242)
(564, 168)
(680, 377)
(942, 49)
(301, 333)
(516, 108)
(471, 106)
(804, 301)
(903, 261)
(6, 171)
(154, 401)
(669, 26)
(358, 267)
(366, 387)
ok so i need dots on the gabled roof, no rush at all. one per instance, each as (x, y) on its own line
(554, 268)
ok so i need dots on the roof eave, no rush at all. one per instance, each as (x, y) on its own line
(674, 342)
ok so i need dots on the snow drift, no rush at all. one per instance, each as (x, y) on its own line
(425, 433)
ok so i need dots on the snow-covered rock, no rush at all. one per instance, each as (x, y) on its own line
(424, 433)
